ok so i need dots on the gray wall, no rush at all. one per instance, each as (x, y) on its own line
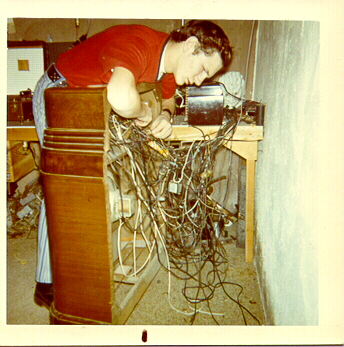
(287, 204)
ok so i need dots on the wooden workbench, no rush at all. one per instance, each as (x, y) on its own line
(17, 131)
(20, 160)
(244, 143)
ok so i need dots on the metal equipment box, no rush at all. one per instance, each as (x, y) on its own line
(205, 104)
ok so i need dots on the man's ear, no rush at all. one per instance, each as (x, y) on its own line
(191, 45)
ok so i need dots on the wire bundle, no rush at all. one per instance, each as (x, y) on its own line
(174, 210)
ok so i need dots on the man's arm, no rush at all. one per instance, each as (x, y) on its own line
(162, 127)
(125, 99)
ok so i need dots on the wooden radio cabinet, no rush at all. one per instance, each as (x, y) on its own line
(74, 172)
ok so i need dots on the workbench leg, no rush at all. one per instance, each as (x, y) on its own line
(249, 227)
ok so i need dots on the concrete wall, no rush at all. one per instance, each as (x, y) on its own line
(287, 204)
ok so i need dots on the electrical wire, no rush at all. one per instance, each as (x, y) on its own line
(174, 213)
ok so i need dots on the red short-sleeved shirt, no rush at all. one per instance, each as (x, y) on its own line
(134, 47)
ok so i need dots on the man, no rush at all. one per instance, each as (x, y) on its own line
(121, 57)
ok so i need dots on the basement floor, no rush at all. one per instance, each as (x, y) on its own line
(154, 307)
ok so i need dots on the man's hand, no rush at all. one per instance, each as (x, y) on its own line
(145, 116)
(161, 127)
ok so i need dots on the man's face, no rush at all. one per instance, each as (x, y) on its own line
(194, 66)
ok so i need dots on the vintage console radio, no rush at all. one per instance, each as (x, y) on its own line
(83, 234)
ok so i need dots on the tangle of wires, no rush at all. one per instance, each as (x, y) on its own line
(174, 212)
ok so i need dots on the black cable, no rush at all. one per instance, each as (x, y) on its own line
(195, 253)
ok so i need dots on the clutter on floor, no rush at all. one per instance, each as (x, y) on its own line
(23, 207)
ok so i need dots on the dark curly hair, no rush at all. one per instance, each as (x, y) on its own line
(210, 36)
